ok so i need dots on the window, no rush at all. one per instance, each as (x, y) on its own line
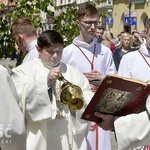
(109, 2)
(139, 1)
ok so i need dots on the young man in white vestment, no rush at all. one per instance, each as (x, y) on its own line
(25, 36)
(94, 60)
(133, 131)
(12, 126)
(51, 125)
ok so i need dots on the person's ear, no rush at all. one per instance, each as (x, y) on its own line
(20, 38)
(38, 48)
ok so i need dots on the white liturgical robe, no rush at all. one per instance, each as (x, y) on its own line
(102, 59)
(46, 131)
(133, 65)
(32, 52)
(134, 130)
(88, 57)
(12, 126)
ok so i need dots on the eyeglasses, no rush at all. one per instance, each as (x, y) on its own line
(89, 23)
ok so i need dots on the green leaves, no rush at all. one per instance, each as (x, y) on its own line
(2, 6)
(65, 23)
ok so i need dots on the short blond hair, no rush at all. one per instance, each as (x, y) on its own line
(23, 26)
(123, 36)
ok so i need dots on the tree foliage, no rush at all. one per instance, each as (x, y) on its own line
(22, 8)
(65, 23)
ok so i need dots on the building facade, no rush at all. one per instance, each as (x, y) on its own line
(137, 10)
(105, 6)
(119, 12)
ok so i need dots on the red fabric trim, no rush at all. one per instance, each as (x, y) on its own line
(97, 139)
(91, 62)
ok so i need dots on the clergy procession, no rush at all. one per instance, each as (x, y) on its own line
(44, 97)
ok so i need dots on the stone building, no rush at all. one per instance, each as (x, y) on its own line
(117, 20)
(138, 10)
(119, 12)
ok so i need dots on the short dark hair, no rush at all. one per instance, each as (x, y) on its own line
(48, 38)
(135, 31)
(86, 9)
(100, 28)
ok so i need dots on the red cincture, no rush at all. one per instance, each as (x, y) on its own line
(142, 148)
(94, 125)
(148, 146)
(91, 62)
(144, 58)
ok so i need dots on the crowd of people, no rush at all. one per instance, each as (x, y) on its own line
(37, 119)
(122, 44)
(136, 65)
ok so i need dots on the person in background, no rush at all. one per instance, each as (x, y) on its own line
(99, 33)
(133, 131)
(125, 47)
(108, 37)
(51, 125)
(118, 39)
(12, 125)
(119, 36)
(94, 60)
(143, 35)
(25, 35)
(137, 40)
(17, 54)
(106, 43)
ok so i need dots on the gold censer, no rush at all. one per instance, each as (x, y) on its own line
(71, 94)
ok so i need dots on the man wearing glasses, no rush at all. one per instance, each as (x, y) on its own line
(94, 60)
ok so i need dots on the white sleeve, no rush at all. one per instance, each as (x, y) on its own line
(12, 126)
(133, 130)
(33, 94)
(79, 125)
(124, 67)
